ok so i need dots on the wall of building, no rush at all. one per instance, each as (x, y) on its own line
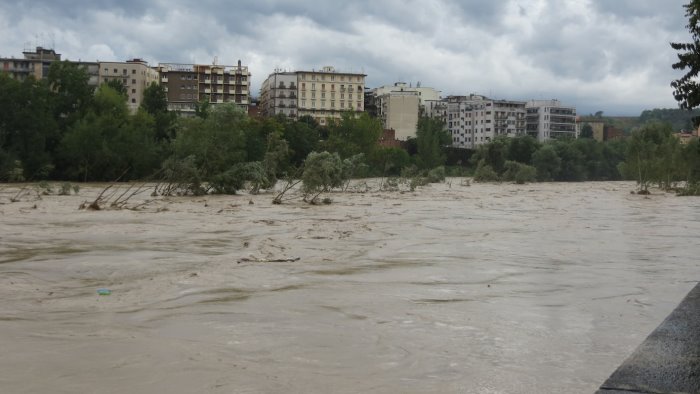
(134, 74)
(399, 111)
(188, 84)
(278, 94)
(549, 119)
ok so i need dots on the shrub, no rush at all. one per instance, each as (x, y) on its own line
(485, 173)
(436, 175)
(322, 172)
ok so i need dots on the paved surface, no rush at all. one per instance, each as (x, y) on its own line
(668, 361)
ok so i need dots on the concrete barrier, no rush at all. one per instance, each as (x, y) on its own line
(668, 361)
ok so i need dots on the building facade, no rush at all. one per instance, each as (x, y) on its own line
(186, 85)
(399, 111)
(549, 119)
(399, 106)
(425, 94)
(476, 120)
(35, 63)
(322, 94)
(278, 94)
(134, 74)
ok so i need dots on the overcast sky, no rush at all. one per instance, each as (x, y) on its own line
(609, 55)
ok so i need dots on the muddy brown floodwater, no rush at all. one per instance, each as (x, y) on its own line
(542, 288)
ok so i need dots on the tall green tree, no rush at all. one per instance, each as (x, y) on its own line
(72, 92)
(431, 136)
(88, 149)
(686, 89)
(354, 134)
(155, 103)
(27, 127)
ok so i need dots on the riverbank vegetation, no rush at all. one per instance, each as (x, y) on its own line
(61, 129)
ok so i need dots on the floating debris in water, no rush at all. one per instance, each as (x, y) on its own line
(104, 291)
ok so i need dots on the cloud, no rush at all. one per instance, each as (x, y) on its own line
(595, 54)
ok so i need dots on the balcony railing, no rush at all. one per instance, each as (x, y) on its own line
(164, 80)
(207, 80)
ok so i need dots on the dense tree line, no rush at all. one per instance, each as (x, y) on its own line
(652, 155)
(61, 128)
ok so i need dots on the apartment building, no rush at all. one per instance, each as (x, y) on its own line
(135, 75)
(322, 94)
(278, 94)
(34, 63)
(549, 119)
(399, 106)
(189, 84)
(425, 94)
(475, 120)
(399, 111)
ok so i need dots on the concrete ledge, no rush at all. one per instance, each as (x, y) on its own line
(668, 361)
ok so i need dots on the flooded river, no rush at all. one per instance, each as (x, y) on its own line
(542, 288)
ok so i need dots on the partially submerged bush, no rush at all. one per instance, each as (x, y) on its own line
(322, 172)
(181, 177)
(485, 173)
(518, 172)
(436, 175)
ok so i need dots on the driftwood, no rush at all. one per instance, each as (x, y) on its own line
(255, 260)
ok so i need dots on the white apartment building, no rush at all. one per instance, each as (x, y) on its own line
(278, 94)
(134, 74)
(322, 94)
(549, 119)
(475, 120)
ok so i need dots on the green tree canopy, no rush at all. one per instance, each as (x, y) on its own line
(686, 89)
(431, 136)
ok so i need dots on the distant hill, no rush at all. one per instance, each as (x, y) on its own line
(678, 119)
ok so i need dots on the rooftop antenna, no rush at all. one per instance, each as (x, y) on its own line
(216, 60)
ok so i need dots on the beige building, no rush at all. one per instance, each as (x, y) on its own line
(35, 63)
(425, 94)
(399, 106)
(399, 111)
(322, 94)
(134, 74)
(189, 84)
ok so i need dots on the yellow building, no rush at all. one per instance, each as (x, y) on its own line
(328, 93)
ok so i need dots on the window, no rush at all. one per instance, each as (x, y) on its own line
(116, 71)
(332, 104)
(303, 85)
(133, 90)
(133, 100)
(323, 94)
(313, 103)
(313, 86)
(350, 96)
(323, 86)
(133, 82)
(313, 94)
(133, 71)
(124, 71)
